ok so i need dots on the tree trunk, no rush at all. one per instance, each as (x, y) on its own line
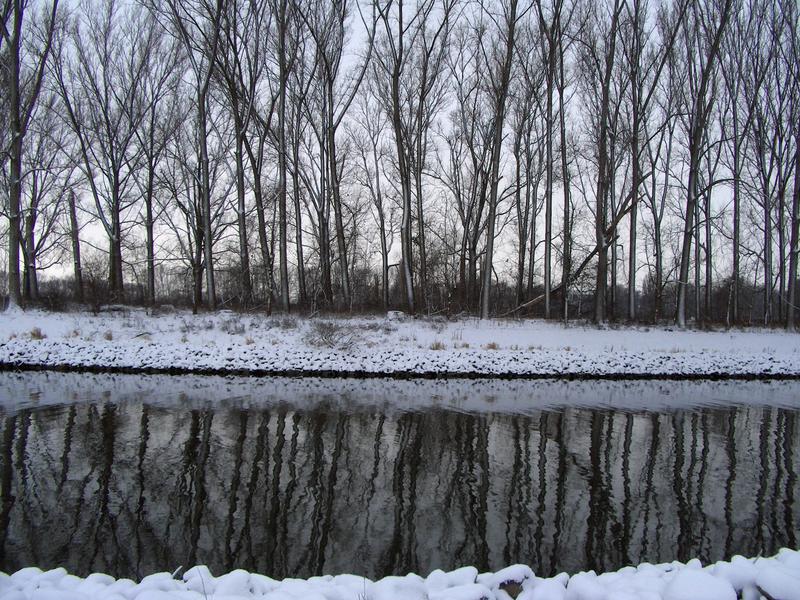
(31, 283)
(548, 182)
(15, 163)
(794, 242)
(149, 238)
(245, 281)
(603, 172)
(74, 231)
(423, 266)
(736, 220)
(566, 263)
(283, 242)
(205, 192)
(298, 219)
(403, 168)
(688, 229)
(336, 200)
(709, 260)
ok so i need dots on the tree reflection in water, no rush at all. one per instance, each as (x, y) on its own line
(130, 488)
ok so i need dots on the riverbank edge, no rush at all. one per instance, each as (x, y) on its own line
(15, 366)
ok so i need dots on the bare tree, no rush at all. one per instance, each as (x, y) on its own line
(161, 113)
(500, 56)
(26, 70)
(197, 24)
(327, 25)
(47, 179)
(703, 34)
(100, 72)
(599, 55)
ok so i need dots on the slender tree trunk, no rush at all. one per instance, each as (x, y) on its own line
(283, 243)
(381, 228)
(767, 257)
(31, 283)
(258, 197)
(197, 267)
(688, 227)
(338, 208)
(566, 264)
(781, 247)
(603, 172)
(298, 215)
(205, 192)
(698, 313)
(423, 258)
(548, 182)
(736, 220)
(636, 176)
(322, 222)
(245, 280)
(149, 238)
(15, 168)
(794, 243)
(406, 243)
(116, 285)
(709, 260)
(74, 230)
(522, 222)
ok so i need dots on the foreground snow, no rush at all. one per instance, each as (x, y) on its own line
(131, 340)
(776, 578)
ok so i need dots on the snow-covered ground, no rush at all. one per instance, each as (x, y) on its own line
(225, 342)
(776, 578)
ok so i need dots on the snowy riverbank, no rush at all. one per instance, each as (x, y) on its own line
(776, 578)
(130, 340)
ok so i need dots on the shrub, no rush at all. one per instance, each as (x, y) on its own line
(492, 346)
(108, 335)
(331, 335)
(287, 323)
(232, 326)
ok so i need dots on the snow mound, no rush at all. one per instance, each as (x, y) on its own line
(777, 578)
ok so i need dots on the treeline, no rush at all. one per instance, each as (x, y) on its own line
(618, 159)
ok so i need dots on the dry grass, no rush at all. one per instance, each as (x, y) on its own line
(492, 346)
(248, 340)
(36, 334)
(108, 335)
(437, 345)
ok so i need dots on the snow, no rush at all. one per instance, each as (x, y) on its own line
(692, 584)
(778, 577)
(225, 342)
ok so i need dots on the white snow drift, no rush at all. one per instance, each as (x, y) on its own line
(776, 578)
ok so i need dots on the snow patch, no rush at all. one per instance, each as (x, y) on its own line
(777, 578)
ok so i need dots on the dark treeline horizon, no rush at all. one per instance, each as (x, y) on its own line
(615, 160)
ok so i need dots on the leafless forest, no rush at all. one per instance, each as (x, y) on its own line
(620, 160)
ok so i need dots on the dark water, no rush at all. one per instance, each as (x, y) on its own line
(131, 476)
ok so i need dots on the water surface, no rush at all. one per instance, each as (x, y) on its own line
(130, 475)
